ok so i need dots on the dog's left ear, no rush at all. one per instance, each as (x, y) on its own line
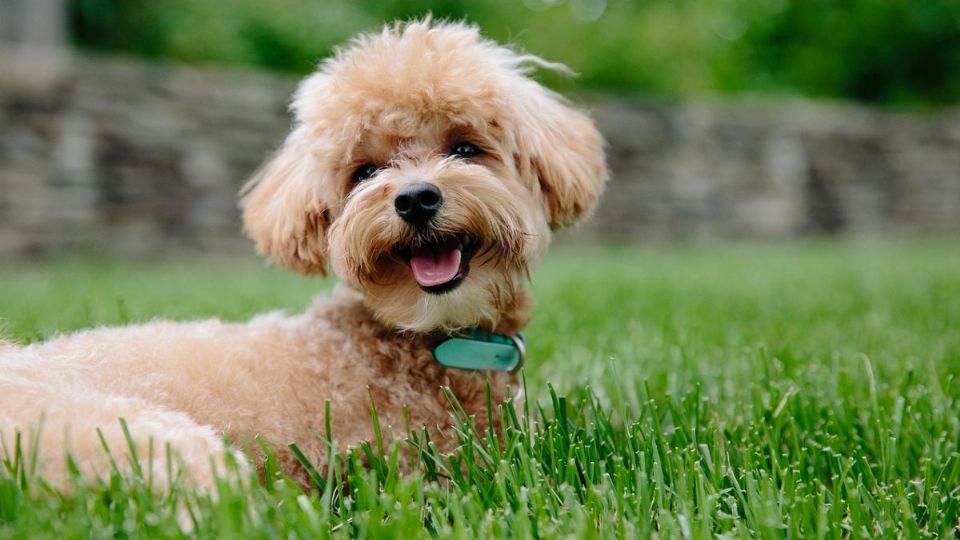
(563, 154)
(283, 211)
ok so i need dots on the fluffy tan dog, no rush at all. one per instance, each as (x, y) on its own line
(427, 171)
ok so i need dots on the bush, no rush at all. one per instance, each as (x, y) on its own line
(880, 51)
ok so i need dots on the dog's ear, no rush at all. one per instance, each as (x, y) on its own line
(283, 211)
(563, 154)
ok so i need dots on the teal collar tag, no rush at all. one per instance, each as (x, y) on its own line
(480, 350)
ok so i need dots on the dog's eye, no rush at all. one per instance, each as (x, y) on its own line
(365, 172)
(464, 149)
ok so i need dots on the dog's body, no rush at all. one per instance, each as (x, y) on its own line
(427, 170)
(192, 383)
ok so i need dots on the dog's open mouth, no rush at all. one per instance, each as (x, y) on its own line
(440, 266)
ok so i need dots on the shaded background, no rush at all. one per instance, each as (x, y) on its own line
(128, 126)
(881, 51)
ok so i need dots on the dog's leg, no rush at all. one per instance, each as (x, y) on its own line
(83, 422)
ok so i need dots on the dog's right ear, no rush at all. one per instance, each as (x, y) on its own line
(283, 211)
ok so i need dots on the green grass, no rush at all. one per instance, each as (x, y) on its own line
(795, 390)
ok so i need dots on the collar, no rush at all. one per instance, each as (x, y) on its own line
(478, 350)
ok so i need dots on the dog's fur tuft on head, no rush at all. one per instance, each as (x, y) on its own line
(400, 101)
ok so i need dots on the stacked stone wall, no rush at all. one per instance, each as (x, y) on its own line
(136, 158)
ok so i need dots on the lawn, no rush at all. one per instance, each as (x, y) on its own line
(785, 390)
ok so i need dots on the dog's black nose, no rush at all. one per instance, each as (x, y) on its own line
(416, 203)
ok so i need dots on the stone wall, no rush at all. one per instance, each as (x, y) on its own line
(140, 159)
(134, 158)
(776, 169)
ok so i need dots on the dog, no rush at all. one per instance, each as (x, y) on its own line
(427, 170)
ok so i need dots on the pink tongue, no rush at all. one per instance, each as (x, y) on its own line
(437, 268)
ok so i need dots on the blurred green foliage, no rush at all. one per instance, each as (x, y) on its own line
(879, 51)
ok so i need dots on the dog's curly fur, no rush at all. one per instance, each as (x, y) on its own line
(397, 100)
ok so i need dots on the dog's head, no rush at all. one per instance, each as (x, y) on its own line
(428, 170)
